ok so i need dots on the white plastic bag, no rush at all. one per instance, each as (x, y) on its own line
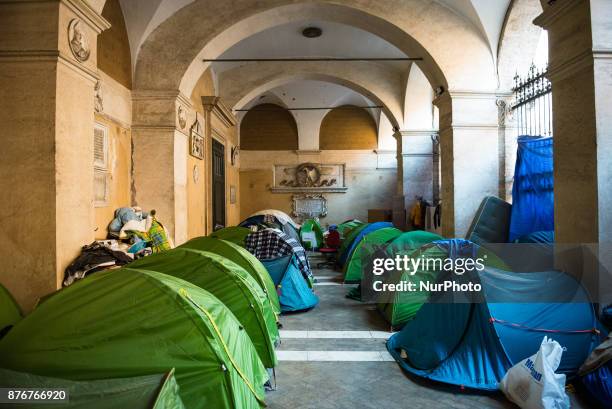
(533, 383)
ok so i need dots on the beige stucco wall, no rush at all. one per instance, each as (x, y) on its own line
(120, 166)
(47, 131)
(199, 203)
(370, 185)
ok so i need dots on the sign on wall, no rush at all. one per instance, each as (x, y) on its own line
(309, 206)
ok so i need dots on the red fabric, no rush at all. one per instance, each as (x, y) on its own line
(333, 239)
(328, 250)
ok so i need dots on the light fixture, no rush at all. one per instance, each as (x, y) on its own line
(312, 32)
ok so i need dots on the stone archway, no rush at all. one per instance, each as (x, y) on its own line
(238, 88)
(417, 27)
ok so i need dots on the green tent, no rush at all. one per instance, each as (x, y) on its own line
(353, 267)
(312, 226)
(243, 258)
(350, 237)
(235, 234)
(142, 392)
(400, 307)
(10, 313)
(345, 228)
(231, 284)
(125, 323)
(410, 241)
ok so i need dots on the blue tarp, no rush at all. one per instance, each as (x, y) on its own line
(473, 344)
(369, 229)
(532, 192)
(294, 294)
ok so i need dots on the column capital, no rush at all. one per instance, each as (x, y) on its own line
(554, 12)
(162, 109)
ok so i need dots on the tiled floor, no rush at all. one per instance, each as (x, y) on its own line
(335, 357)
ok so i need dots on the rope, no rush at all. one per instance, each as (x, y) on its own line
(184, 293)
(557, 331)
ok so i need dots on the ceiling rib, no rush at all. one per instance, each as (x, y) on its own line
(309, 108)
(310, 59)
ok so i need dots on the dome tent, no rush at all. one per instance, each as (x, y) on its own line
(348, 238)
(231, 284)
(355, 237)
(409, 241)
(345, 227)
(294, 293)
(353, 267)
(141, 392)
(290, 229)
(473, 344)
(312, 227)
(400, 307)
(279, 215)
(126, 323)
(233, 234)
(10, 313)
(243, 258)
(272, 243)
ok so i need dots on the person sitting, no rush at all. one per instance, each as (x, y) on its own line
(332, 240)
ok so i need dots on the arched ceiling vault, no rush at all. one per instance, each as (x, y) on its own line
(454, 52)
(379, 83)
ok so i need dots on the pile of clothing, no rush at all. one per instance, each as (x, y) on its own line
(95, 257)
(271, 243)
(141, 230)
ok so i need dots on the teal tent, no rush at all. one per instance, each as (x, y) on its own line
(142, 392)
(294, 293)
(125, 323)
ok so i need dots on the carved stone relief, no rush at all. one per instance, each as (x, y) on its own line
(182, 117)
(310, 177)
(196, 140)
(98, 102)
(79, 44)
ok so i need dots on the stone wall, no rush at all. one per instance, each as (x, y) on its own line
(371, 182)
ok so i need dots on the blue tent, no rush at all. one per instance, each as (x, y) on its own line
(473, 344)
(532, 191)
(294, 294)
(369, 229)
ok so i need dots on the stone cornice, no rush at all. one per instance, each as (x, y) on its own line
(555, 11)
(87, 13)
(79, 7)
(160, 95)
(571, 66)
(213, 104)
(418, 132)
(53, 56)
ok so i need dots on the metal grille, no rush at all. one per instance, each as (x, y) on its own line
(532, 105)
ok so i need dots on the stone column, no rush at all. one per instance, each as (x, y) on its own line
(160, 138)
(47, 75)
(399, 208)
(417, 164)
(507, 146)
(580, 70)
(469, 156)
